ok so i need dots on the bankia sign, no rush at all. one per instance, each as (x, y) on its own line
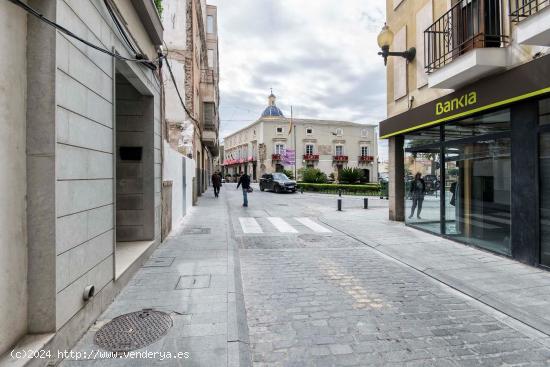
(526, 81)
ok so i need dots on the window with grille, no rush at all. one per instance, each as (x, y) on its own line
(364, 151)
(309, 149)
(339, 150)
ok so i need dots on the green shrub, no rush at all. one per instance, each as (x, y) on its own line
(313, 175)
(289, 173)
(366, 189)
(350, 175)
(160, 8)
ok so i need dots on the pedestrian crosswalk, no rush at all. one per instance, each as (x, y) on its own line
(280, 225)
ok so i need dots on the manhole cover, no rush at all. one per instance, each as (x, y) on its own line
(196, 230)
(133, 331)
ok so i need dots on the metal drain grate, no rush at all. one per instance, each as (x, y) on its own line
(133, 331)
(197, 230)
(193, 282)
(158, 262)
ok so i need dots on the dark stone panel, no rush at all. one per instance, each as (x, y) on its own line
(524, 185)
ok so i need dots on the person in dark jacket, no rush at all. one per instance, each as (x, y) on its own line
(417, 191)
(216, 183)
(244, 182)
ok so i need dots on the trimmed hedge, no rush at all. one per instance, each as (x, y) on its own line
(369, 188)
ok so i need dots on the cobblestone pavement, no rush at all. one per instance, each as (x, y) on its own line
(327, 300)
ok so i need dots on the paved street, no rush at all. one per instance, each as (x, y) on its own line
(315, 296)
(321, 288)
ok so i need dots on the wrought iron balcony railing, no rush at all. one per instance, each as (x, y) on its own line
(340, 158)
(311, 157)
(467, 25)
(521, 9)
(366, 158)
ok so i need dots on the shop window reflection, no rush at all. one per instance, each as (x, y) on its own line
(477, 193)
(422, 180)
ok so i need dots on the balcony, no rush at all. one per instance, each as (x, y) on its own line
(366, 159)
(340, 158)
(533, 21)
(311, 157)
(465, 44)
(276, 157)
(209, 86)
(210, 117)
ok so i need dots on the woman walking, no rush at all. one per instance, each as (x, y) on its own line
(417, 191)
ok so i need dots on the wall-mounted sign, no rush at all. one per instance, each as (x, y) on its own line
(525, 81)
(457, 103)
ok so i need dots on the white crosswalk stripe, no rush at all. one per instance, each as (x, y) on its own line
(316, 227)
(250, 225)
(281, 225)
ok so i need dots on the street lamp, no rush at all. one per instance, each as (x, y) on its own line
(385, 39)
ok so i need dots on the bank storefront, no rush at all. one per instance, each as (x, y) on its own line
(484, 155)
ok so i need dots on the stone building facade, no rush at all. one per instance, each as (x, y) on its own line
(470, 113)
(81, 149)
(190, 31)
(324, 144)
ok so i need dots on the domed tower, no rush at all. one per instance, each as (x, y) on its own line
(272, 110)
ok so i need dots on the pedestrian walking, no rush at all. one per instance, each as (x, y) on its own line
(244, 183)
(417, 191)
(216, 183)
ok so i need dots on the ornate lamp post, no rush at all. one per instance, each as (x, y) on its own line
(385, 39)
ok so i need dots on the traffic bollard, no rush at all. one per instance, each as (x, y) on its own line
(301, 190)
(365, 203)
(339, 205)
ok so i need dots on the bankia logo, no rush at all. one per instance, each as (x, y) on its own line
(457, 103)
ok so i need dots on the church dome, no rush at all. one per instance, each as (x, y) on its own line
(272, 110)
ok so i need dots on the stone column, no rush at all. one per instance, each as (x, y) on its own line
(397, 174)
(41, 179)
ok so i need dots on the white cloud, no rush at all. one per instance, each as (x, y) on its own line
(319, 56)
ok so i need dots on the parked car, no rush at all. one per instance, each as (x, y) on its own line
(277, 182)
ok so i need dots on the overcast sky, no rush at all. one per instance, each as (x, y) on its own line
(320, 56)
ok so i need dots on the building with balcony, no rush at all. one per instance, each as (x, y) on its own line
(471, 113)
(328, 145)
(191, 34)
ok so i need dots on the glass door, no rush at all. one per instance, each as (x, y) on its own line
(477, 193)
(423, 180)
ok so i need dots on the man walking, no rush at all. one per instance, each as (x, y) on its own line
(244, 182)
(216, 183)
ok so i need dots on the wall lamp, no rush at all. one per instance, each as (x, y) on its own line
(385, 39)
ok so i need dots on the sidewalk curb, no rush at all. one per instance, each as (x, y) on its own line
(238, 347)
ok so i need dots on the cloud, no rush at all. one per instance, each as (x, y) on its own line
(318, 56)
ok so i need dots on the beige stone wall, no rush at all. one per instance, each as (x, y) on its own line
(136, 28)
(407, 80)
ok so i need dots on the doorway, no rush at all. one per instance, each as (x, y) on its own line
(134, 171)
